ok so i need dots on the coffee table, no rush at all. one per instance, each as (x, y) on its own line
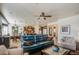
(49, 51)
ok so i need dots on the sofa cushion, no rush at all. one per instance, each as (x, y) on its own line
(27, 43)
(45, 37)
(15, 51)
(39, 38)
(38, 45)
(3, 50)
(29, 38)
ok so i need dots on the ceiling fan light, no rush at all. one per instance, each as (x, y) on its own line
(44, 18)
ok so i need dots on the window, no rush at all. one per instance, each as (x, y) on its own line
(4, 25)
(4, 30)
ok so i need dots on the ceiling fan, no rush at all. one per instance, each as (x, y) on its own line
(43, 15)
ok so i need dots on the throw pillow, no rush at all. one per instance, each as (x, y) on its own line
(28, 43)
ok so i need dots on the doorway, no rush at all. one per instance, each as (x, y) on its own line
(53, 30)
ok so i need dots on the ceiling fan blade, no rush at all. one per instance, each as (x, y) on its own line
(48, 16)
(43, 15)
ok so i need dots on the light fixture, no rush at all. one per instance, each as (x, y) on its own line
(42, 21)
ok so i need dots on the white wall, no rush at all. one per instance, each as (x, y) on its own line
(73, 21)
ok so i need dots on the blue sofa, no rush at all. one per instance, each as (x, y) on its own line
(39, 41)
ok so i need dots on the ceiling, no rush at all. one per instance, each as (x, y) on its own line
(28, 12)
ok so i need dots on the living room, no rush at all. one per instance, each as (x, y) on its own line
(40, 29)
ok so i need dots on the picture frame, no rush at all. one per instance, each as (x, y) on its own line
(65, 29)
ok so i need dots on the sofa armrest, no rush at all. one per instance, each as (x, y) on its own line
(3, 50)
(15, 51)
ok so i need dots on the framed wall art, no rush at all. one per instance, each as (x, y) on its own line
(65, 29)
